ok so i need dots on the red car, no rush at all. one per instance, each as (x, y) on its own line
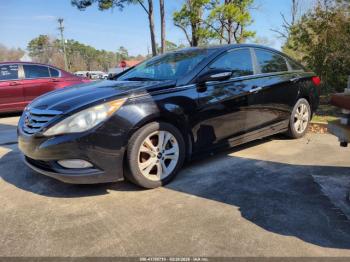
(21, 82)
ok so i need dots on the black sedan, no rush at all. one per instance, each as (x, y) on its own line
(148, 120)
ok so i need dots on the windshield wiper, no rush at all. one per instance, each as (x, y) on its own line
(136, 78)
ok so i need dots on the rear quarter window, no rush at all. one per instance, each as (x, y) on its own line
(8, 72)
(270, 62)
(36, 71)
(54, 72)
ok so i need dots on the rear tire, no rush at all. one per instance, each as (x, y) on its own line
(155, 154)
(299, 119)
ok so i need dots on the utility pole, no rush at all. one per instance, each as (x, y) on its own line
(61, 28)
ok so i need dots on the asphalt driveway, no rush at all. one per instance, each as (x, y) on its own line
(275, 197)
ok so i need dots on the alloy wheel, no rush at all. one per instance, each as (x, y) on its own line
(158, 155)
(301, 118)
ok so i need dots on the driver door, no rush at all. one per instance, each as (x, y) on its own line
(229, 108)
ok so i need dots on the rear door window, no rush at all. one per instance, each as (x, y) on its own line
(35, 71)
(54, 72)
(270, 62)
(8, 72)
(238, 61)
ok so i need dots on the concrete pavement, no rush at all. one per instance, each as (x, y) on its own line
(269, 198)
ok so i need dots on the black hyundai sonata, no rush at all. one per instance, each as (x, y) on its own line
(145, 122)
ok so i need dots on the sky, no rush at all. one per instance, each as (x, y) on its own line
(23, 20)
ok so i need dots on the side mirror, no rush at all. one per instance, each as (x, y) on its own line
(214, 75)
(111, 76)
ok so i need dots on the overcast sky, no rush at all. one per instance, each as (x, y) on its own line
(22, 20)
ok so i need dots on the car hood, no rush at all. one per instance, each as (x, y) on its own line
(77, 96)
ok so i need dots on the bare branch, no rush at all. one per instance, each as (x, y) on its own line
(143, 6)
(281, 34)
(186, 34)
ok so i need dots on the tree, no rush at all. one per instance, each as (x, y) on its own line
(223, 20)
(122, 53)
(162, 26)
(107, 4)
(229, 20)
(41, 49)
(80, 57)
(10, 54)
(190, 20)
(321, 40)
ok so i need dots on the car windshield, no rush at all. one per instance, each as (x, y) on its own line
(171, 66)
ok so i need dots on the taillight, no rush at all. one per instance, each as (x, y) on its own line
(316, 80)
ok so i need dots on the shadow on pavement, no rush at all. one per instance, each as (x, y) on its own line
(278, 197)
(13, 114)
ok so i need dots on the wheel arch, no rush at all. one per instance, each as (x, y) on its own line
(311, 93)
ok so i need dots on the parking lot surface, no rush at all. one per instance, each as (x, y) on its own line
(275, 197)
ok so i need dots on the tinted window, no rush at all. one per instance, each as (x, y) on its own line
(54, 72)
(35, 71)
(270, 62)
(238, 61)
(8, 72)
(294, 65)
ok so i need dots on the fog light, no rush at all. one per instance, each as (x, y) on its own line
(74, 163)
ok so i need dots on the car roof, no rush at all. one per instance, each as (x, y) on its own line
(23, 62)
(226, 47)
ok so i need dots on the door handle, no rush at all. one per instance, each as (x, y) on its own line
(14, 84)
(255, 89)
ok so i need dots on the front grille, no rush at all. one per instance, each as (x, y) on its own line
(35, 119)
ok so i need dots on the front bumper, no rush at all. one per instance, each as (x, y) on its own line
(91, 176)
(104, 150)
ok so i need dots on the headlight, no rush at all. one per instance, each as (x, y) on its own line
(85, 119)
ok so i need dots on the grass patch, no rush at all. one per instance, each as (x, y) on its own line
(326, 112)
(322, 119)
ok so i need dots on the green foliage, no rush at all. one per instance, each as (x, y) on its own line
(41, 48)
(321, 40)
(102, 4)
(229, 20)
(122, 53)
(205, 20)
(190, 19)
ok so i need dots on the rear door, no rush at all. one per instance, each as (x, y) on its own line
(278, 83)
(37, 81)
(11, 91)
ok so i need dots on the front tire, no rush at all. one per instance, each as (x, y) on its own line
(299, 119)
(155, 154)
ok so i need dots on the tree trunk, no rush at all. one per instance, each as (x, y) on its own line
(151, 27)
(229, 25)
(229, 31)
(194, 41)
(162, 18)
